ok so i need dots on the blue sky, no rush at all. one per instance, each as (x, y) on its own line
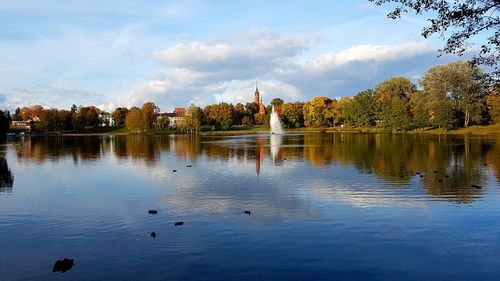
(109, 53)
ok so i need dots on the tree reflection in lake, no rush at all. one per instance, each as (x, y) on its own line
(6, 177)
(449, 166)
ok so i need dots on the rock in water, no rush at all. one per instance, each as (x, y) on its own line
(153, 234)
(152, 212)
(177, 223)
(63, 265)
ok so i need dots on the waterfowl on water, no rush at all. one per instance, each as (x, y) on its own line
(178, 223)
(153, 234)
(248, 212)
(152, 212)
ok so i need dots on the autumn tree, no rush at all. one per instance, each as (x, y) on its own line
(220, 115)
(494, 103)
(239, 113)
(149, 112)
(318, 112)
(119, 115)
(133, 121)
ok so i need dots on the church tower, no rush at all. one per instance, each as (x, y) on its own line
(256, 95)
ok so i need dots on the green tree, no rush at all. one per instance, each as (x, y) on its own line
(444, 115)
(277, 102)
(292, 114)
(457, 82)
(4, 122)
(191, 122)
(419, 110)
(363, 108)
(17, 115)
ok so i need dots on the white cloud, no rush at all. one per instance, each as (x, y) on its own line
(243, 51)
(367, 53)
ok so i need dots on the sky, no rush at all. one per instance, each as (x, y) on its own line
(173, 53)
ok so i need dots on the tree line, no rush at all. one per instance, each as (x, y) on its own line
(447, 96)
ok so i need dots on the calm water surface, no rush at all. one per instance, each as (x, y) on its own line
(323, 207)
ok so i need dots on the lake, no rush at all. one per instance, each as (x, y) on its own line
(323, 206)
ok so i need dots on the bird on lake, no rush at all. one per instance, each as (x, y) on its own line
(178, 223)
(248, 212)
(153, 234)
(152, 212)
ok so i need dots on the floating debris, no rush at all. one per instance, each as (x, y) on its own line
(248, 212)
(177, 223)
(153, 234)
(152, 212)
(476, 186)
(63, 265)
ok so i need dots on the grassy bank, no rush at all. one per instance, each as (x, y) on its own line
(490, 130)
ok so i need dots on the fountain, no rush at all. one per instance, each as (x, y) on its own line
(275, 123)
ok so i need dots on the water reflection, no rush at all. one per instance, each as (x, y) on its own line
(6, 177)
(446, 167)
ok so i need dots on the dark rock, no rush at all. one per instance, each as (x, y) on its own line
(421, 176)
(418, 173)
(435, 172)
(440, 180)
(476, 186)
(446, 176)
(485, 164)
(153, 234)
(177, 223)
(248, 212)
(63, 265)
(152, 212)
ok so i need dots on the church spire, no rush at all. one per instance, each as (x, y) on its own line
(256, 94)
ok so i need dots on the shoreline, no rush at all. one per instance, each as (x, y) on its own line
(489, 130)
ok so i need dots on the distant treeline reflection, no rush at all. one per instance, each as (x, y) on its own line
(450, 165)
